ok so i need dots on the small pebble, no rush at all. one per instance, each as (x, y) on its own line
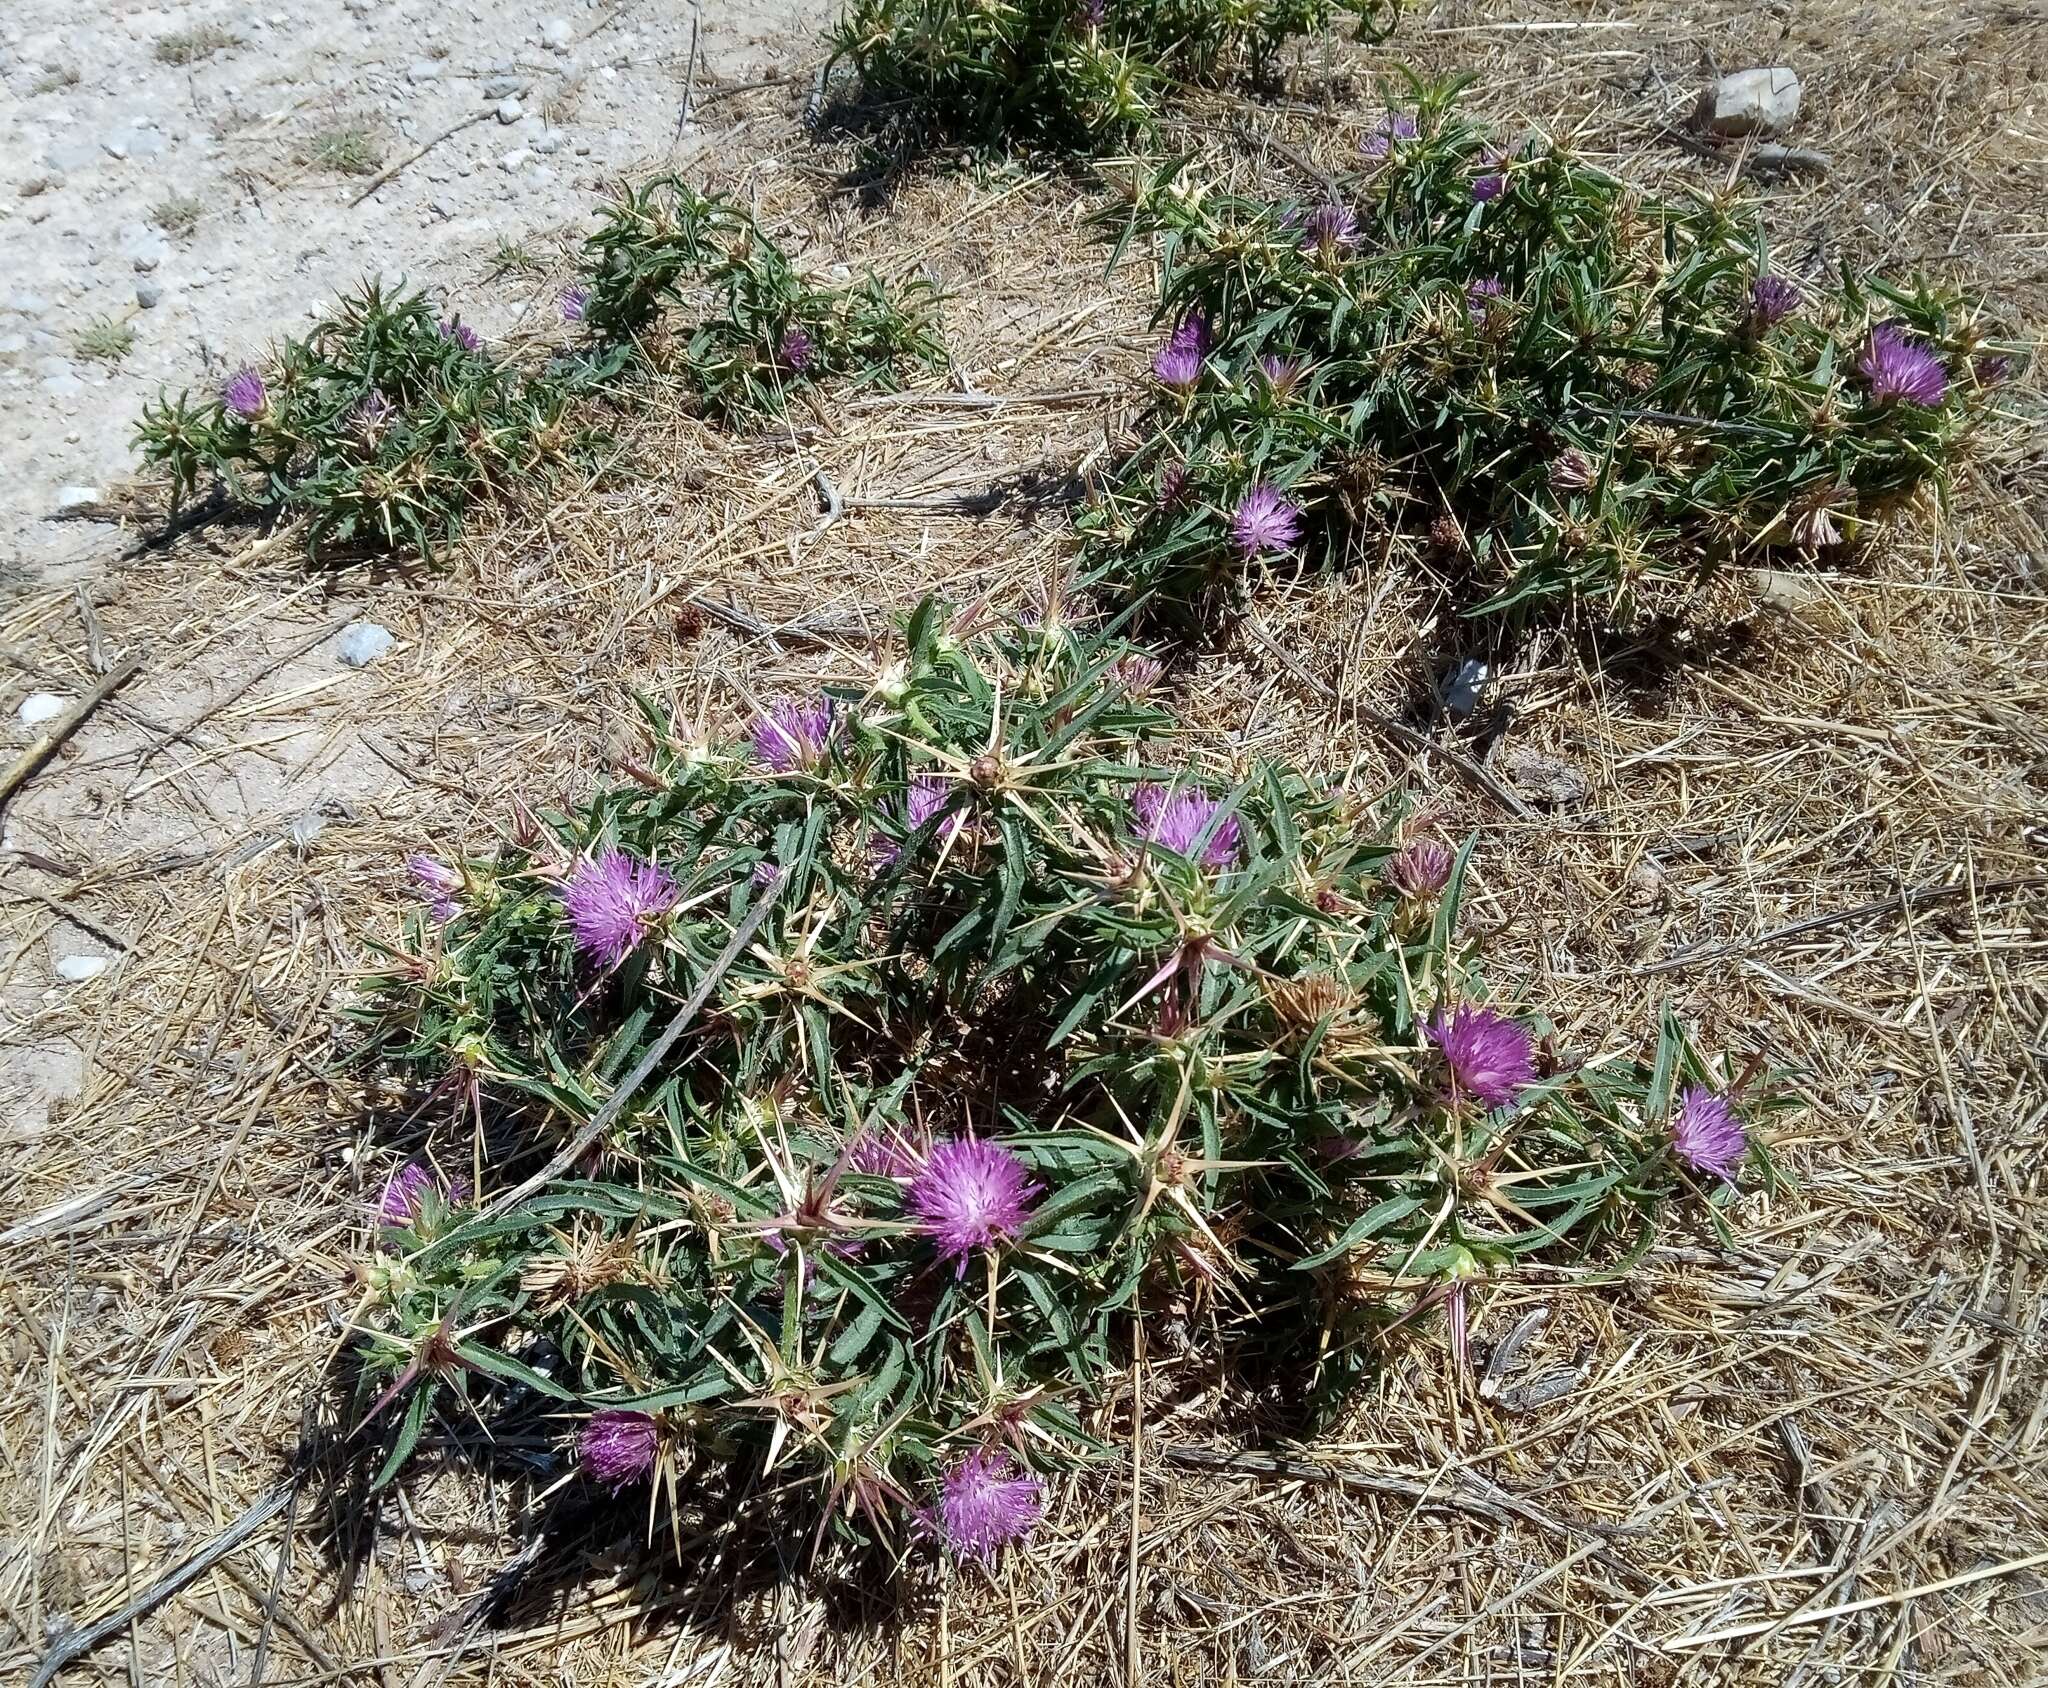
(422, 70)
(148, 295)
(76, 969)
(510, 111)
(77, 497)
(39, 707)
(363, 642)
(557, 34)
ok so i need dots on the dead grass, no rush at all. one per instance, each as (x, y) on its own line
(1808, 1455)
(201, 41)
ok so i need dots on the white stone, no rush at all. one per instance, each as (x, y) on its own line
(77, 497)
(363, 642)
(1751, 102)
(510, 111)
(76, 969)
(39, 707)
(422, 70)
(556, 33)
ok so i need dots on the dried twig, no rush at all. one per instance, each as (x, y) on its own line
(45, 743)
(390, 171)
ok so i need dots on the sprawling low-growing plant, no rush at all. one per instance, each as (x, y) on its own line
(1070, 74)
(1044, 1031)
(381, 426)
(1572, 386)
(758, 326)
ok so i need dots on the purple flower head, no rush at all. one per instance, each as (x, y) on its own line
(1178, 363)
(971, 1195)
(1706, 1134)
(1772, 299)
(884, 1153)
(985, 1505)
(1896, 366)
(1421, 869)
(1330, 228)
(575, 301)
(1135, 674)
(244, 394)
(1282, 375)
(1815, 529)
(1380, 138)
(462, 334)
(1491, 1057)
(1482, 292)
(1264, 521)
(1571, 470)
(617, 1447)
(1494, 182)
(928, 794)
(1090, 13)
(764, 875)
(1175, 817)
(612, 901)
(437, 883)
(406, 1191)
(796, 350)
(1993, 370)
(794, 734)
(1173, 486)
(372, 414)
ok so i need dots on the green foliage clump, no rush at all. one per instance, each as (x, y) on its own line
(1572, 386)
(1069, 74)
(381, 427)
(1202, 1034)
(757, 325)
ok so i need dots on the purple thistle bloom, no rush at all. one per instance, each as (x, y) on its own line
(612, 901)
(244, 394)
(794, 734)
(795, 350)
(372, 414)
(1330, 228)
(985, 1505)
(1090, 13)
(1993, 370)
(462, 334)
(1178, 363)
(1380, 138)
(1175, 817)
(1706, 1133)
(575, 301)
(1173, 486)
(1491, 1057)
(1282, 375)
(764, 875)
(1772, 299)
(971, 1195)
(1896, 366)
(1494, 182)
(1480, 293)
(437, 883)
(884, 1153)
(1136, 674)
(928, 794)
(406, 1191)
(1571, 470)
(617, 1446)
(1264, 521)
(1421, 869)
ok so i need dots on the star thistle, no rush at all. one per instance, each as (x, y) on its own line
(613, 902)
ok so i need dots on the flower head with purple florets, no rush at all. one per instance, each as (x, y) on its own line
(1895, 366)
(971, 1195)
(1178, 363)
(885, 1152)
(1493, 182)
(437, 883)
(1491, 1058)
(406, 1192)
(1173, 486)
(618, 1447)
(1176, 817)
(462, 334)
(795, 350)
(928, 794)
(245, 395)
(794, 734)
(1420, 869)
(575, 301)
(1135, 674)
(1331, 228)
(1994, 369)
(1482, 293)
(1706, 1133)
(1771, 300)
(1281, 375)
(1380, 138)
(372, 414)
(613, 902)
(1265, 521)
(984, 1505)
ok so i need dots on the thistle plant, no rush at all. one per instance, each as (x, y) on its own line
(1074, 75)
(755, 325)
(382, 427)
(1571, 387)
(1044, 1030)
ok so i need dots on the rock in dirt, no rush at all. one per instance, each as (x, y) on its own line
(39, 707)
(557, 33)
(76, 969)
(149, 294)
(363, 642)
(1750, 102)
(510, 111)
(76, 498)
(1555, 784)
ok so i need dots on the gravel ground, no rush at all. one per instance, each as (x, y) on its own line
(183, 179)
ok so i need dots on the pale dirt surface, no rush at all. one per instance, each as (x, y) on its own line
(96, 131)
